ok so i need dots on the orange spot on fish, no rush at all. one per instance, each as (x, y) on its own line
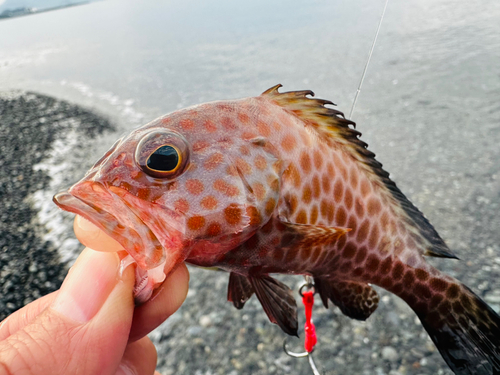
(243, 166)
(354, 179)
(260, 162)
(365, 188)
(361, 255)
(314, 215)
(248, 135)
(330, 212)
(210, 126)
(292, 202)
(213, 230)
(307, 194)
(244, 150)
(324, 208)
(254, 215)
(349, 250)
(301, 217)
(194, 186)
(186, 124)
(288, 143)
(326, 183)
(338, 191)
(293, 174)
(231, 170)
(243, 117)
(196, 222)
(143, 193)
(341, 168)
(228, 123)
(270, 205)
(348, 199)
(318, 159)
(360, 209)
(316, 187)
(200, 145)
(374, 237)
(341, 217)
(374, 206)
(225, 188)
(273, 183)
(263, 129)
(223, 107)
(209, 202)
(213, 161)
(259, 190)
(305, 162)
(181, 205)
(438, 285)
(364, 228)
(232, 214)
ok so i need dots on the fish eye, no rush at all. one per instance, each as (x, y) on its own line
(162, 154)
(164, 159)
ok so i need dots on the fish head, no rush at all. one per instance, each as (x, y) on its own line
(183, 187)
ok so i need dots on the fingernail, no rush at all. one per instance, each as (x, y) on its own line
(87, 285)
(91, 231)
(125, 369)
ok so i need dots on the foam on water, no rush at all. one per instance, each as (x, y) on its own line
(71, 155)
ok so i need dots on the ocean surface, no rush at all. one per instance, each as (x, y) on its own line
(429, 109)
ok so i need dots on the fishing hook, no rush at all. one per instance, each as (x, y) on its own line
(310, 330)
(302, 355)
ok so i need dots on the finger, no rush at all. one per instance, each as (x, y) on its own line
(24, 316)
(170, 296)
(91, 236)
(139, 358)
(85, 329)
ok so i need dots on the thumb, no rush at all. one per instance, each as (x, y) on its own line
(85, 330)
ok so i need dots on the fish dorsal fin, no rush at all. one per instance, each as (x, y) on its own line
(356, 300)
(239, 290)
(334, 129)
(277, 300)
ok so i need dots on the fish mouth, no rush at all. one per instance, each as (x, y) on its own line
(150, 239)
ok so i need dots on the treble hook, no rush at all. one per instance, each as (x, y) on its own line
(302, 355)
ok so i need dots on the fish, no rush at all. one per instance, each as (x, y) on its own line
(280, 183)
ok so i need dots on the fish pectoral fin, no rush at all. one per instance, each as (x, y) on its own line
(356, 300)
(278, 302)
(239, 290)
(309, 235)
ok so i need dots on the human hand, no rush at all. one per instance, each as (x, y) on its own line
(90, 325)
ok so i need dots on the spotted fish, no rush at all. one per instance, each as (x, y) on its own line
(280, 183)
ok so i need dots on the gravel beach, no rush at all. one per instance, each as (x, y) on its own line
(30, 124)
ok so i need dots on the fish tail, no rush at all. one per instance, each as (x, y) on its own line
(464, 328)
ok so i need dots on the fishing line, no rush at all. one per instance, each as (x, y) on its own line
(368, 61)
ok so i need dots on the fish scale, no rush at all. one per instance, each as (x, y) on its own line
(281, 183)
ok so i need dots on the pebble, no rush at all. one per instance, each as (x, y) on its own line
(390, 354)
(205, 321)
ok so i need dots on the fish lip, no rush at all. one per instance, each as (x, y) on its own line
(137, 239)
